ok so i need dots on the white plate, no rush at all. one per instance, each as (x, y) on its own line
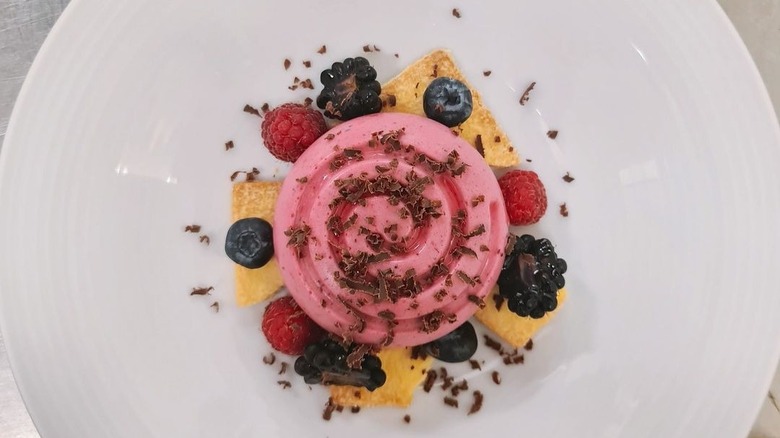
(117, 142)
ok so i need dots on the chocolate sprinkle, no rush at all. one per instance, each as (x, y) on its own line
(527, 94)
(552, 134)
(251, 110)
(496, 377)
(493, 344)
(568, 178)
(449, 401)
(229, 145)
(430, 379)
(201, 290)
(192, 228)
(478, 398)
(564, 210)
(270, 359)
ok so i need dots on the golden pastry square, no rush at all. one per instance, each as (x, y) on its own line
(404, 375)
(481, 128)
(256, 199)
(514, 330)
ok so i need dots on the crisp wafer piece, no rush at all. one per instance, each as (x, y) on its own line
(481, 128)
(514, 330)
(404, 375)
(256, 199)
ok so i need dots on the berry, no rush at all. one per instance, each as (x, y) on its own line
(325, 362)
(289, 129)
(456, 346)
(531, 277)
(350, 89)
(524, 196)
(287, 328)
(250, 242)
(448, 101)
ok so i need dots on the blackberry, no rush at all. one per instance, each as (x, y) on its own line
(325, 362)
(350, 89)
(531, 277)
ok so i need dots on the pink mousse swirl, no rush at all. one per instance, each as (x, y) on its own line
(390, 230)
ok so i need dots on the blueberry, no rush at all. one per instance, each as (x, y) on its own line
(448, 101)
(457, 346)
(250, 242)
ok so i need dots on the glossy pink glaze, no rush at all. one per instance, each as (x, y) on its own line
(310, 278)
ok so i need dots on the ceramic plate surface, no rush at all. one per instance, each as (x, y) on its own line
(116, 143)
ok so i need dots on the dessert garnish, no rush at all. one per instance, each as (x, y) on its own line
(249, 242)
(326, 362)
(350, 89)
(448, 101)
(457, 346)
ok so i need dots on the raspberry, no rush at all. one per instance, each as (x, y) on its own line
(289, 129)
(287, 328)
(524, 196)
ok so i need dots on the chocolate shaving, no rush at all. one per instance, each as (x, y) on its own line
(322, 49)
(440, 295)
(477, 200)
(499, 301)
(527, 94)
(307, 83)
(270, 359)
(407, 419)
(287, 64)
(229, 145)
(249, 175)
(329, 407)
(355, 409)
(432, 321)
(463, 250)
(367, 48)
(564, 210)
(215, 306)
(477, 300)
(478, 144)
(302, 180)
(462, 386)
(449, 401)
(464, 277)
(391, 100)
(475, 365)
(496, 377)
(307, 63)
(265, 108)
(552, 134)
(478, 398)
(204, 239)
(493, 344)
(355, 358)
(284, 384)
(446, 382)
(298, 238)
(476, 231)
(529, 345)
(201, 290)
(456, 13)
(430, 379)
(251, 110)
(435, 73)
(308, 101)
(192, 229)
(484, 248)
(283, 368)
(396, 55)
(386, 315)
(568, 178)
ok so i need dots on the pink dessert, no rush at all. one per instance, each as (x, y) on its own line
(392, 230)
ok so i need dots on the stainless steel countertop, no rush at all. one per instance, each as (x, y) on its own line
(24, 25)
